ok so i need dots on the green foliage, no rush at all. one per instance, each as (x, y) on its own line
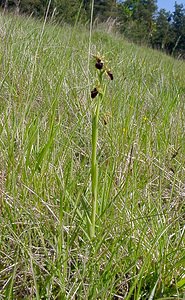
(162, 34)
(104, 9)
(138, 20)
(137, 17)
(35, 7)
(169, 34)
(68, 11)
(141, 23)
(45, 154)
(178, 28)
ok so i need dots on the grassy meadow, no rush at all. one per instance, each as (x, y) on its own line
(138, 252)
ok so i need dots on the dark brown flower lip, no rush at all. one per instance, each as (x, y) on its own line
(105, 121)
(109, 73)
(99, 65)
(94, 93)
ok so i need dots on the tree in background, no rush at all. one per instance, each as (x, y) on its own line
(35, 7)
(178, 29)
(103, 9)
(162, 35)
(137, 19)
(69, 11)
(65, 10)
(169, 34)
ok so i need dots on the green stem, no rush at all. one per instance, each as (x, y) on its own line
(94, 166)
(94, 163)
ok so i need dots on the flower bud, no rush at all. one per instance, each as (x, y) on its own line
(109, 73)
(94, 93)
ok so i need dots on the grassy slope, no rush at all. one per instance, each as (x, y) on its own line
(45, 148)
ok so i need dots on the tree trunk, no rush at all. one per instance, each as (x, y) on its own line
(5, 6)
(17, 2)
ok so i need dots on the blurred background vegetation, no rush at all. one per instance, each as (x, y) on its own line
(139, 21)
